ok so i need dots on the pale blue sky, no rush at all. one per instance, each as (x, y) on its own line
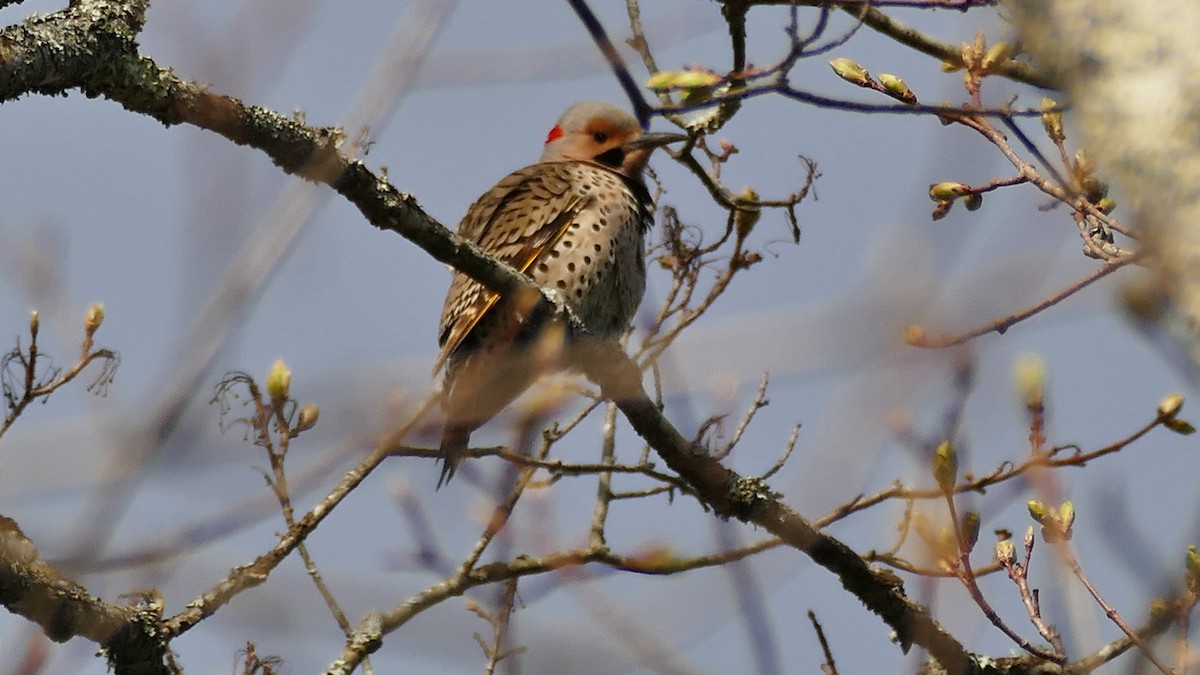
(100, 204)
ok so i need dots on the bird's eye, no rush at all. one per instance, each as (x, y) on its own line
(600, 137)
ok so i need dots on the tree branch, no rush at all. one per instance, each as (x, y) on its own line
(65, 44)
(751, 500)
(32, 588)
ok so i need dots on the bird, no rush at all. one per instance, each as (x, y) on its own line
(575, 223)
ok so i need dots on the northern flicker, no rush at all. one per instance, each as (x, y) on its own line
(575, 223)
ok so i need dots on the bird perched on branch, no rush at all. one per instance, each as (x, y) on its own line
(574, 223)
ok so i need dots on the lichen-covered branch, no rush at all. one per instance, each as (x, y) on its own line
(32, 588)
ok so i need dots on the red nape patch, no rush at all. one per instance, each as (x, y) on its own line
(555, 134)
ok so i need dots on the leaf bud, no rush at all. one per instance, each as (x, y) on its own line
(970, 529)
(308, 417)
(1170, 405)
(1031, 380)
(1037, 510)
(1193, 568)
(851, 71)
(279, 382)
(897, 89)
(1052, 120)
(93, 317)
(945, 466)
(1005, 551)
(746, 216)
(1066, 515)
(1180, 426)
(948, 190)
(997, 54)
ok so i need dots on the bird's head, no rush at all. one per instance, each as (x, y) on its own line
(593, 131)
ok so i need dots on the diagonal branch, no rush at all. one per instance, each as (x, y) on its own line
(32, 588)
(142, 86)
(751, 500)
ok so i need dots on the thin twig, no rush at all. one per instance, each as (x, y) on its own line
(641, 110)
(608, 444)
(828, 667)
(917, 337)
(1113, 615)
(970, 581)
(255, 573)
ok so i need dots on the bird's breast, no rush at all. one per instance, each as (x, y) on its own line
(598, 266)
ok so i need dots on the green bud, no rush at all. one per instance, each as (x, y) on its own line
(1180, 426)
(1005, 551)
(1056, 525)
(896, 88)
(973, 201)
(1170, 405)
(970, 529)
(1052, 120)
(947, 190)
(945, 466)
(1037, 510)
(661, 80)
(851, 72)
(308, 417)
(746, 216)
(683, 79)
(1031, 380)
(999, 53)
(1066, 515)
(279, 381)
(1106, 205)
(93, 317)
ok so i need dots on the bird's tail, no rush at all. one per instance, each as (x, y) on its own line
(455, 438)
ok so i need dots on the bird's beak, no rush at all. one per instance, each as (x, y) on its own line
(654, 139)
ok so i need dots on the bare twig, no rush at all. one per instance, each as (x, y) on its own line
(36, 377)
(750, 499)
(1019, 572)
(495, 651)
(829, 667)
(641, 110)
(916, 335)
(1053, 459)
(249, 576)
(608, 444)
(1113, 615)
(970, 581)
